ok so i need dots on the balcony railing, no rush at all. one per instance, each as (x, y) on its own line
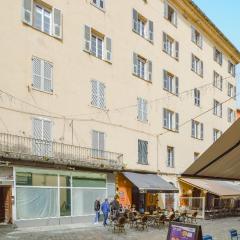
(31, 149)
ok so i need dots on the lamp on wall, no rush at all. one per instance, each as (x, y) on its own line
(189, 192)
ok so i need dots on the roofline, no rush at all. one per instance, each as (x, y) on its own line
(200, 19)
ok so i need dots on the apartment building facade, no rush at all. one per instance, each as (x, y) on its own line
(106, 86)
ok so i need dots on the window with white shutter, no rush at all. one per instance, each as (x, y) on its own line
(170, 120)
(45, 19)
(196, 37)
(231, 90)
(98, 144)
(231, 115)
(142, 152)
(170, 83)
(98, 94)
(216, 134)
(142, 110)
(170, 13)
(217, 56)
(170, 46)
(42, 137)
(217, 108)
(170, 157)
(42, 72)
(231, 68)
(197, 65)
(217, 80)
(197, 130)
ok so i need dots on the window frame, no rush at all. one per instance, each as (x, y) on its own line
(197, 97)
(99, 98)
(198, 41)
(97, 4)
(142, 113)
(170, 83)
(141, 160)
(170, 120)
(170, 157)
(216, 134)
(197, 130)
(217, 80)
(197, 65)
(217, 108)
(218, 56)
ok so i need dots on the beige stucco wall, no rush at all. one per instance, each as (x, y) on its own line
(74, 69)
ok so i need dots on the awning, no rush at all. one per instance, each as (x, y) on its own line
(150, 182)
(217, 187)
(221, 160)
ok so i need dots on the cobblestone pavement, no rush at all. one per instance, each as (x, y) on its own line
(217, 228)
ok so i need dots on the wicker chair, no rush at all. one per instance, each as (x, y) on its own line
(142, 223)
(119, 226)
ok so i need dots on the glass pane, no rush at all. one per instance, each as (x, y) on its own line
(33, 179)
(83, 200)
(47, 20)
(88, 182)
(65, 202)
(38, 18)
(65, 181)
(36, 203)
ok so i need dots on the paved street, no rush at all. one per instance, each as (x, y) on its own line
(217, 228)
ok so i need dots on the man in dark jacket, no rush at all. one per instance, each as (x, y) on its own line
(105, 209)
(115, 207)
(97, 210)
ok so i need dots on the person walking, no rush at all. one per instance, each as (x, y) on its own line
(97, 205)
(115, 206)
(105, 209)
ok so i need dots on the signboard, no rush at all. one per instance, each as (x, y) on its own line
(184, 231)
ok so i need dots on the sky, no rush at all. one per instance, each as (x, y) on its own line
(225, 14)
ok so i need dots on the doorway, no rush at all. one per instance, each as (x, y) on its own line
(5, 204)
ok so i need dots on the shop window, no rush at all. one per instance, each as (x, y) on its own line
(88, 182)
(65, 202)
(65, 181)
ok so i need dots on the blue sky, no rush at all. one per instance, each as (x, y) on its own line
(225, 14)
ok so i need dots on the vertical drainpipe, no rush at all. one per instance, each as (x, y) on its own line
(157, 153)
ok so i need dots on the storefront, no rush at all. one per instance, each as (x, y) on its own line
(46, 196)
(142, 190)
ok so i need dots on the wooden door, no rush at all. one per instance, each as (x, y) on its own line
(8, 205)
(2, 205)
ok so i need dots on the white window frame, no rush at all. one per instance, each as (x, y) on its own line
(98, 152)
(173, 19)
(170, 120)
(170, 83)
(218, 56)
(170, 157)
(142, 110)
(197, 97)
(217, 108)
(197, 65)
(145, 162)
(96, 46)
(217, 80)
(216, 134)
(231, 90)
(231, 68)
(197, 130)
(197, 37)
(231, 115)
(170, 46)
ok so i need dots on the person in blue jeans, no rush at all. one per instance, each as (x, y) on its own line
(105, 209)
(97, 210)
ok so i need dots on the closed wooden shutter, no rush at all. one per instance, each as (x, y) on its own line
(57, 23)
(108, 56)
(140, 151)
(201, 71)
(87, 38)
(101, 141)
(165, 118)
(193, 34)
(101, 94)
(145, 110)
(27, 6)
(139, 103)
(150, 30)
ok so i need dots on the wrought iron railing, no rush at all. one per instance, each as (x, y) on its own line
(26, 148)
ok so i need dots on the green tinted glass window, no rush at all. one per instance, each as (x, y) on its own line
(88, 182)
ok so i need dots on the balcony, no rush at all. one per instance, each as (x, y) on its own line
(36, 150)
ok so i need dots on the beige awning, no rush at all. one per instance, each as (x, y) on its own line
(217, 187)
(221, 160)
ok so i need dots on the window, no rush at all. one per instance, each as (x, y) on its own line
(196, 97)
(170, 157)
(98, 144)
(217, 108)
(196, 155)
(217, 80)
(142, 152)
(170, 13)
(98, 94)
(99, 4)
(142, 110)
(231, 90)
(231, 115)
(42, 72)
(48, 20)
(231, 68)
(42, 137)
(142, 26)
(142, 67)
(197, 130)
(97, 44)
(170, 46)
(216, 134)
(170, 120)
(217, 56)
(170, 82)
(197, 65)
(197, 37)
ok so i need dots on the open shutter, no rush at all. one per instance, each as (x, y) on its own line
(57, 23)
(145, 152)
(200, 41)
(234, 70)
(101, 94)
(165, 118)
(177, 122)
(149, 70)
(135, 20)
(139, 103)
(175, 18)
(221, 58)
(36, 72)
(165, 9)
(47, 74)
(202, 133)
(135, 67)
(193, 34)
(145, 110)
(37, 128)
(164, 41)
(193, 129)
(150, 30)
(234, 92)
(214, 54)
(193, 62)
(177, 50)
(201, 73)
(101, 141)
(27, 6)
(139, 151)
(176, 85)
(108, 56)
(87, 38)
(165, 80)
(94, 101)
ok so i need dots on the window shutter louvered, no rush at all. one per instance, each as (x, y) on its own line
(200, 41)
(139, 151)
(234, 92)
(193, 128)
(108, 49)
(101, 95)
(202, 134)
(47, 73)
(27, 6)
(145, 152)
(214, 54)
(135, 67)
(139, 108)
(94, 139)
(57, 23)
(37, 129)
(149, 70)
(101, 141)
(135, 20)
(165, 9)
(47, 130)
(193, 62)
(175, 18)
(36, 72)
(87, 38)
(177, 122)
(177, 50)
(150, 30)
(94, 101)
(201, 71)
(145, 110)
(193, 34)
(221, 82)
(165, 80)
(164, 41)
(165, 120)
(176, 85)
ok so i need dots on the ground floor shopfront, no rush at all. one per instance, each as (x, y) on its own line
(37, 196)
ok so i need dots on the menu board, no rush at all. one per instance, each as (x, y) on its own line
(184, 231)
